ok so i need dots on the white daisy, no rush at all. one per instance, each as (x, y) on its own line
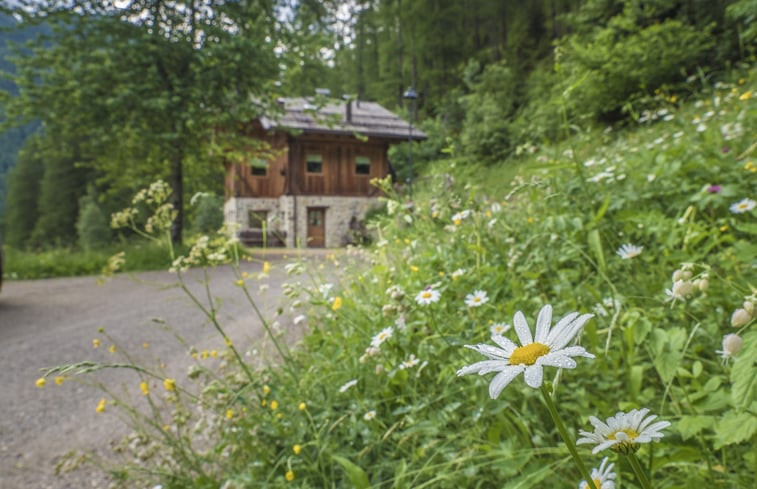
(604, 477)
(499, 328)
(623, 432)
(459, 216)
(547, 348)
(427, 296)
(382, 336)
(477, 298)
(457, 273)
(628, 251)
(369, 415)
(347, 385)
(744, 205)
(411, 361)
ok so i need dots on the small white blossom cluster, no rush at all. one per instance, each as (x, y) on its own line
(157, 193)
(205, 252)
(685, 285)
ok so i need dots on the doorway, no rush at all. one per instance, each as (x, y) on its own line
(316, 234)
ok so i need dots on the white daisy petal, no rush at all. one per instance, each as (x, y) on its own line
(483, 367)
(557, 360)
(570, 331)
(503, 378)
(542, 324)
(490, 351)
(559, 327)
(623, 432)
(522, 329)
(533, 375)
(507, 345)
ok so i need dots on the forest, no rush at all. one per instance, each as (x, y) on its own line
(107, 96)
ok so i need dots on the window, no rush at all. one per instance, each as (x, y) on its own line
(257, 219)
(314, 163)
(362, 165)
(258, 167)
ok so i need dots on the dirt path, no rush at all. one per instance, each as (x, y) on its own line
(52, 322)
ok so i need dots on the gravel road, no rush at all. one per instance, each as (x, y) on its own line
(52, 322)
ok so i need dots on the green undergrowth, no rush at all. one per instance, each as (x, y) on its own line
(652, 230)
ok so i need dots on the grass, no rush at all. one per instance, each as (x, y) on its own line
(371, 397)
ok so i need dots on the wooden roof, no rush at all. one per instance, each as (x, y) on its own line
(333, 117)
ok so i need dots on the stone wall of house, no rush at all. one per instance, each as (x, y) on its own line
(281, 215)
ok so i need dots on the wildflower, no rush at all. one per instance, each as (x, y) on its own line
(459, 216)
(266, 267)
(623, 432)
(145, 388)
(297, 449)
(477, 298)
(95, 343)
(414, 269)
(213, 353)
(59, 380)
(369, 415)
(101, 406)
(457, 273)
(40, 382)
(266, 390)
(229, 413)
(750, 166)
(603, 478)
(681, 290)
(299, 319)
(411, 361)
(628, 251)
(742, 206)
(274, 405)
(382, 336)
(337, 303)
(145, 345)
(240, 282)
(289, 476)
(731, 346)
(714, 189)
(746, 95)
(112, 348)
(347, 385)
(427, 296)
(302, 406)
(169, 384)
(740, 317)
(548, 348)
(499, 328)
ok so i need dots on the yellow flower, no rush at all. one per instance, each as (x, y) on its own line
(266, 390)
(337, 303)
(59, 379)
(245, 274)
(144, 388)
(413, 268)
(750, 166)
(274, 405)
(169, 384)
(240, 282)
(213, 353)
(264, 402)
(145, 345)
(289, 475)
(112, 348)
(40, 382)
(101, 406)
(531, 220)
(673, 98)
(724, 228)
(280, 415)
(95, 343)
(297, 449)
(204, 354)
(229, 414)
(746, 95)
(266, 267)
(302, 406)
(228, 342)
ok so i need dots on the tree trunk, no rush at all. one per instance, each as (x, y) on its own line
(177, 196)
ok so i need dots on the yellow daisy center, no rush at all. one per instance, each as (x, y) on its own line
(426, 295)
(527, 354)
(626, 446)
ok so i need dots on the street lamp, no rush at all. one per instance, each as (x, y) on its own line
(411, 96)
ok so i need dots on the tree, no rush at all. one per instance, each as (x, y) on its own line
(149, 88)
(23, 191)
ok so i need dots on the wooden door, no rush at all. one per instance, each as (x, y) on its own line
(316, 227)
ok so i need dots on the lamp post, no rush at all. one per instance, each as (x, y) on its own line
(411, 96)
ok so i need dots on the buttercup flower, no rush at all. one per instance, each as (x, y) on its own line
(169, 384)
(101, 405)
(289, 476)
(628, 251)
(547, 348)
(477, 298)
(144, 388)
(623, 432)
(40, 382)
(427, 296)
(744, 205)
(382, 336)
(604, 477)
(337, 303)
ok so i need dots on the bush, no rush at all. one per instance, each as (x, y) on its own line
(92, 227)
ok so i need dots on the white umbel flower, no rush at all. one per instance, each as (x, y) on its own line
(547, 348)
(623, 432)
(628, 251)
(477, 298)
(604, 477)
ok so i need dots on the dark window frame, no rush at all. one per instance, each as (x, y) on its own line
(367, 163)
(317, 159)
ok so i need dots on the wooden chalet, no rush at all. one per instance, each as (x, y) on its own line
(316, 191)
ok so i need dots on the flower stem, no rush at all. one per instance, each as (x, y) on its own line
(566, 438)
(639, 471)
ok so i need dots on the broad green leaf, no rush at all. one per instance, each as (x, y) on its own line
(734, 428)
(689, 426)
(595, 245)
(744, 373)
(357, 476)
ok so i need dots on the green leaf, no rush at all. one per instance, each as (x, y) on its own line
(734, 428)
(744, 373)
(595, 244)
(357, 476)
(667, 347)
(689, 426)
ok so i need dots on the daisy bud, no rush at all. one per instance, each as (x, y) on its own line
(682, 288)
(740, 317)
(731, 345)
